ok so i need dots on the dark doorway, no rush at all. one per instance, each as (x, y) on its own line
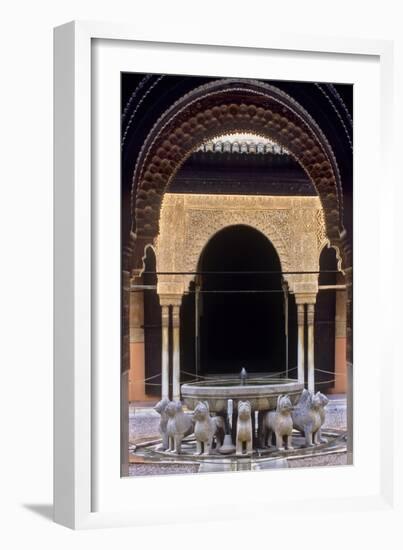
(241, 312)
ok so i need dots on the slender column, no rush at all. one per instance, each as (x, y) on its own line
(176, 386)
(301, 347)
(311, 361)
(165, 352)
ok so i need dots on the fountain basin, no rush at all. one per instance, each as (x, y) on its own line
(262, 393)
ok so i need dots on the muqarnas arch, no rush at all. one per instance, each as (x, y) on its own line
(232, 106)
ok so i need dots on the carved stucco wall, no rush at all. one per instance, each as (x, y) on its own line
(294, 225)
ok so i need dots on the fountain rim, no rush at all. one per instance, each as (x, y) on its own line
(275, 386)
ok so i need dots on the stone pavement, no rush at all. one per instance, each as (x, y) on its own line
(162, 469)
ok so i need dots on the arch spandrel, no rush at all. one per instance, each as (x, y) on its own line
(189, 222)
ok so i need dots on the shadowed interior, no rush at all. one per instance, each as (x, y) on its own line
(245, 328)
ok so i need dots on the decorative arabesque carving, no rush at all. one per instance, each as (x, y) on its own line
(203, 224)
(188, 222)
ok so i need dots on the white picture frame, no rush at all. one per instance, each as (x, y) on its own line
(88, 490)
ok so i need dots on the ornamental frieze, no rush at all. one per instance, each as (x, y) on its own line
(294, 225)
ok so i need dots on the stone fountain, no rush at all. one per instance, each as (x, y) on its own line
(262, 393)
(232, 398)
(256, 419)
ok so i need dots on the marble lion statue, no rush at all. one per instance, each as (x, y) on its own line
(324, 400)
(280, 423)
(207, 429)
(160, 408)
(179, 425)
(244, 429)
(306, 417)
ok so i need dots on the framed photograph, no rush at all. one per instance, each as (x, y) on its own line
(212, 203)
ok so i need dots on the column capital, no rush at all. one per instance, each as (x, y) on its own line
(170, 299)
(305, 297)
(171, 286)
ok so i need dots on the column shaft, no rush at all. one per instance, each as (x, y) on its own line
(311, 345)
(165, 352)
(301, 347)
(176, 354)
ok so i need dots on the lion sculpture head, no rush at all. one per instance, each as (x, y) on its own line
(171, 409)
(201, 411)
(324, 400)
(244, 410)
(315, 402)
(284, 404)
(161, 405)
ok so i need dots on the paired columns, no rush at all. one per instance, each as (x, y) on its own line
(302, 306)
(310, 317)
(166, 305)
